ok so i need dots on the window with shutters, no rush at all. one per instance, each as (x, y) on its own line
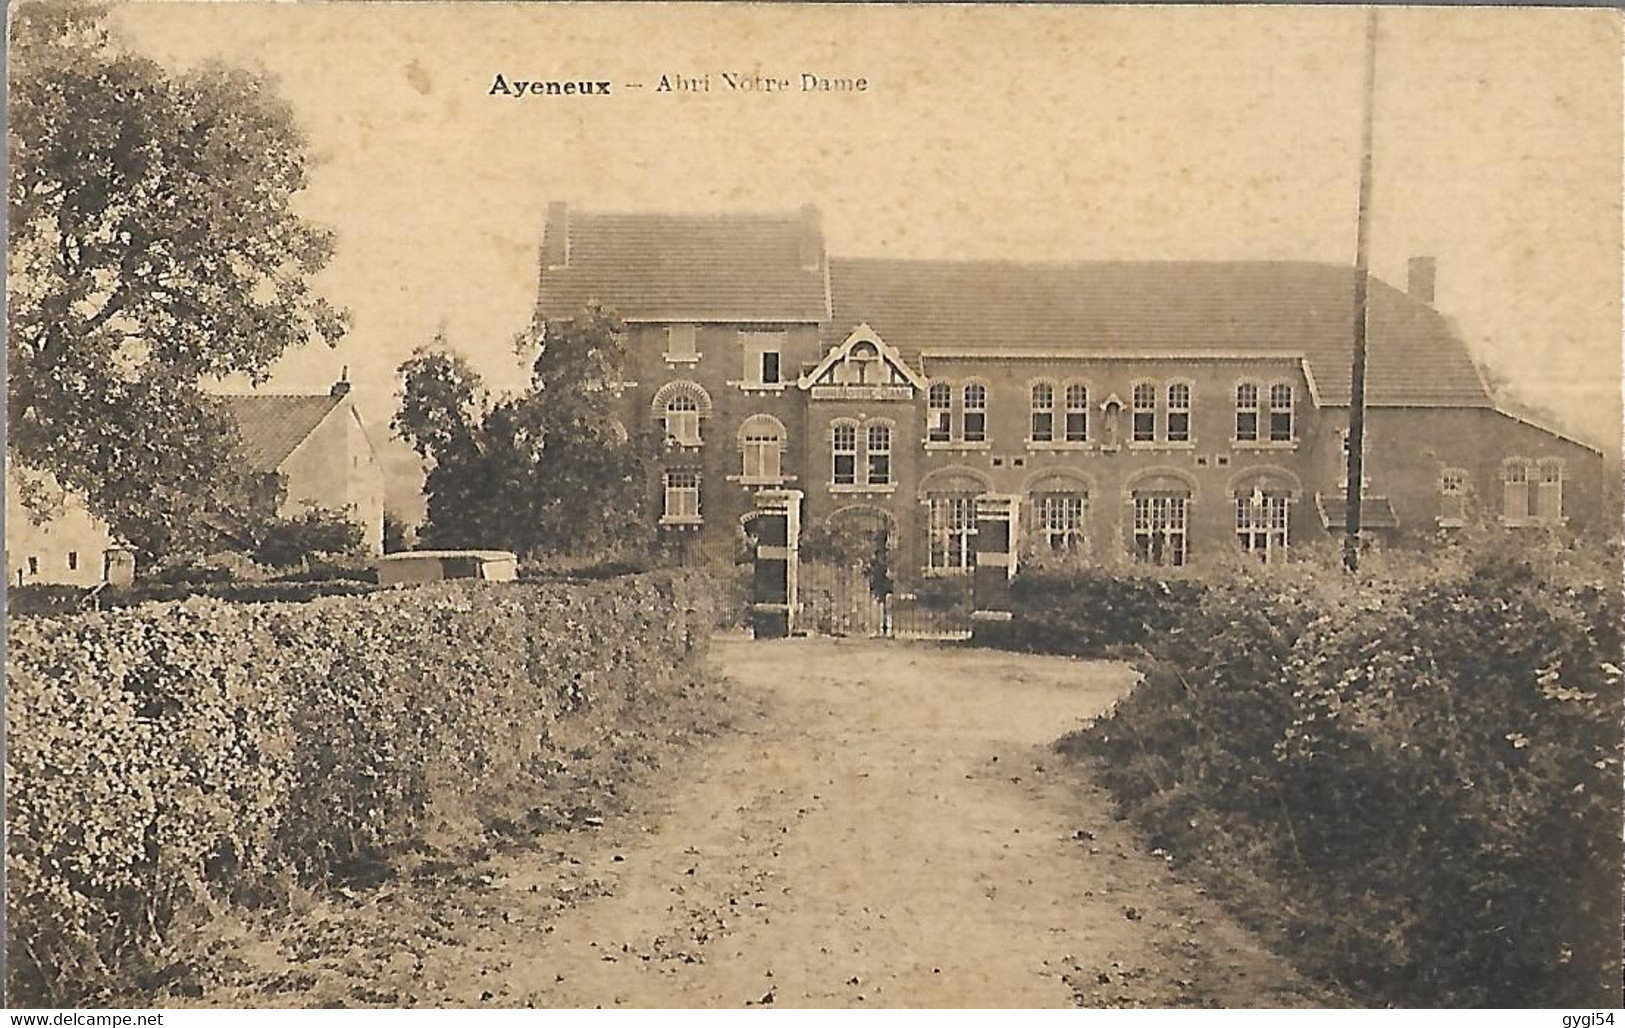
(1549, 491)
(761, 443)
(681, 344)
(763, 353)
(683, 421)
(1515, 491)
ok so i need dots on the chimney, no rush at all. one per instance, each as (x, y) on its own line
(812, 237)
(556, 236)
(342, 386)
(1422, 274)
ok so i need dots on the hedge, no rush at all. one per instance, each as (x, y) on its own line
(175, 756)
(1089, 612)
(1413, 780)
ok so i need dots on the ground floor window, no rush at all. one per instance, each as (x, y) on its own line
(952, 532)
(1452, 496)
(1261, 524)
(682, 495)
(1160, 529)
(1059, 521)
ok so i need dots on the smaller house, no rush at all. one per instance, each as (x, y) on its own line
(310, 451)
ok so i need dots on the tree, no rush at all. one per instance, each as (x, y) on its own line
(287, 542)
(153, 245)
(551, 470)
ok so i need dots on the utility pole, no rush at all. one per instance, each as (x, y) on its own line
(1362, 274)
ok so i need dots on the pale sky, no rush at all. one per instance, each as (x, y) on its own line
(1029, 132)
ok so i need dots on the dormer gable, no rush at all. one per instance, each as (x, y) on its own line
(862, 367)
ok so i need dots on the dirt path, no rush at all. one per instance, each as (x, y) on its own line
(887, 829)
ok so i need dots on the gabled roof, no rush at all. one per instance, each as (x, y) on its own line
(686, 268)
(273, 426)
(862, 334)
(1162, 308)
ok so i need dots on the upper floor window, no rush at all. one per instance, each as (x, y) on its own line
(1077, 412)
(73, 560)
(1452, 496)
(1549, 490)
(680, 343)
(682, 496)
(1043, 430)
(1247, 412)
(974, 415)
(879, 454)
(1144, 428)
(761, 441)
(844, 453)
(1179, 413)
(1281, 412)
(763, 356)
(940, 414)
(683, 420)
(1515, 490)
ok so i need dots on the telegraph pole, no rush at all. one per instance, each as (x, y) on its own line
(1362, 274)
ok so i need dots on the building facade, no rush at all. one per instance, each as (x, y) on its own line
(1158, 413)
(310, 450)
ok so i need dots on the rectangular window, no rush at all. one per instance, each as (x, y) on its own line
(1043, 413)
(952, 532)
(1179, 413)
(1145, 413)
(1077, 413)
(683, 421)
(33, 565)
(680, 343)
(1246, 412)
(844, 448)
(975, 414)
(762, 456)
(1159, 529)
(879, 455)
(1280, 413)
(1515, 491)
(762, 356)
(1262, 521)
(1549, 492)
(73, 560)
(1060, 523)
(939, 416)
(1452, 496)
(682, 495)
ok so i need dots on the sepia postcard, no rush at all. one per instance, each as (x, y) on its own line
(792, 505)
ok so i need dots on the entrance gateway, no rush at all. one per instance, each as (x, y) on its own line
(847, 592)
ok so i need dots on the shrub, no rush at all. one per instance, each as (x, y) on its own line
(1427, 762)
(179, 755)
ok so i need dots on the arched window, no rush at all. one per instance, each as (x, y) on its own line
(1247, 412)
(974, 414)
(1161, 505)
(940, 415)
(844, 453)
(1144, 427)
(680, 406)
(950, 502)
(1179, 413)
(1059, 504)
(1077, 412)
(761, 444)
(878, 453)
(1043, 411)
(1281, 412)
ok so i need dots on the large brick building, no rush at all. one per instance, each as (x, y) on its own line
(1159, 412)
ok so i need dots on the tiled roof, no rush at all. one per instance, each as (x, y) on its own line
(666, 267)
(1414, 356)
(272, 426)
(1375, 512)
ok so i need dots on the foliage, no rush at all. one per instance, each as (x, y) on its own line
(1089, 611)
(153, 243)
(398, 533)
(1426, 760)
(853, 541)
(179, 756)
(286, 542)
(551, 470)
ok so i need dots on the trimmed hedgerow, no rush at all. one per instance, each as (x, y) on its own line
(174, 756)
(1413, 780)
(1089, 612)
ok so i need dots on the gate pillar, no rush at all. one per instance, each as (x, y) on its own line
(997, 522)
(778, 546)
